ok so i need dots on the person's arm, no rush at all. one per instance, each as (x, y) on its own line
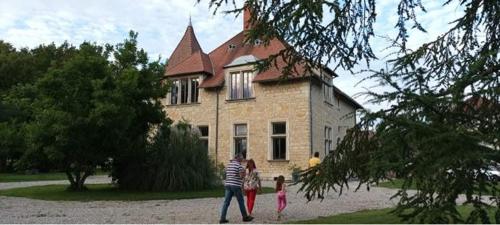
(260, 185)
(242, 172)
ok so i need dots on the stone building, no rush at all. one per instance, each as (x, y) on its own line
(277, 121)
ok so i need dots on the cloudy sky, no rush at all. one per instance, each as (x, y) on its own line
(161, 23)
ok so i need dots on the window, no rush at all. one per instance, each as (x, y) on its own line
(184, 91)
(240, 140)
(328, 89)
(174, 92)
(328, 140)
(278, 140)
(194, 89)
(204, 136)
(241, 85)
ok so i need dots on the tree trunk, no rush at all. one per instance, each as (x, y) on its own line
(77, 182)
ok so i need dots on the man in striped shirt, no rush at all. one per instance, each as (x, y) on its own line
(233, 184)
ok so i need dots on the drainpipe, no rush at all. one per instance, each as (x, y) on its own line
(310, 117)
(217, 127)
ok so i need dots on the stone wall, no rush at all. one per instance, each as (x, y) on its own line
(273, 102)
(336, 114)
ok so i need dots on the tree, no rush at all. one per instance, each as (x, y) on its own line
(90, 109)
(441, 131)
(19, 68)
(174, 160)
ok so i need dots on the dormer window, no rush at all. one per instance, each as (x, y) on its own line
(257, 42)
(231, 46)
(240, 85)
(184, 91)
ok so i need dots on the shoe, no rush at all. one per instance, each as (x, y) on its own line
(247, 219)
(308, 197)
(223, 221)
(321, 197)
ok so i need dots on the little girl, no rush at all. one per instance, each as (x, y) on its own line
(280, 195)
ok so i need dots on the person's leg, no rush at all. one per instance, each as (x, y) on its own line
(247, 193)
(227, 200)
(251, 200)
(241, 202)
(281, 202)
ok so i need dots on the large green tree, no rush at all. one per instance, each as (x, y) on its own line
(441, 130)
(91, 109)
(20, 68)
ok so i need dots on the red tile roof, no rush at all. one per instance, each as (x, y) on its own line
(224, 55)
(188, 57)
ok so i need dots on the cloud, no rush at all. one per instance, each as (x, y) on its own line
(161, 24)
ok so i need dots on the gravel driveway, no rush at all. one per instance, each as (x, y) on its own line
(23, 210)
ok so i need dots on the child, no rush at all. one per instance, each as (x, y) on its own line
(280, 195)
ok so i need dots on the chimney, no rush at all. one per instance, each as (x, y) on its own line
(246, 18)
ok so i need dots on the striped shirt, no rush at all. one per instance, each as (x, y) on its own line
(233, 171)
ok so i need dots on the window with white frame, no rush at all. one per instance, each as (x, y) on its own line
(184, 91)
(278, 140)
(328, 140)
(204, 136)
(174, 92)
(328, 89)
(240, 84)
(240, 139)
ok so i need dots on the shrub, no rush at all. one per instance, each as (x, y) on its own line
(175, 160)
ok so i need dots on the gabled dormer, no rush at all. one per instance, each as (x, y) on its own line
(186, 68)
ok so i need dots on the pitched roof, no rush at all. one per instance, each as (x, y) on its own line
(188, 57)
(236, 48)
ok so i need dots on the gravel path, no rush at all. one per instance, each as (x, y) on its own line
(23, 210)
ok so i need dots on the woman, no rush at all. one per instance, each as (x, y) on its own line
(251, 184)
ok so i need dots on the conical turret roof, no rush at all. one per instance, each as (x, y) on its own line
(188, 57)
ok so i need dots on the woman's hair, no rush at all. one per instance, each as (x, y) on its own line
(279, 183)
(251, 162)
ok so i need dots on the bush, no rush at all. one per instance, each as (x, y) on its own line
(174, 161)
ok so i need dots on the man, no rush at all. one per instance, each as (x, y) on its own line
(234, 181)
(315, 161)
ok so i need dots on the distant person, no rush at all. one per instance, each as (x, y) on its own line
(251, 185)
(280, 195)
(313, 162)
(233, 185)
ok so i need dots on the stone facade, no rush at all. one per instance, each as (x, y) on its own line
(281, 101)
(334, 114)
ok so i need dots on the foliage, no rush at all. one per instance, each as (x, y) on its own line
(20, 68)
(221, 169)
(174, 161)
(87, 108)
(440, 132)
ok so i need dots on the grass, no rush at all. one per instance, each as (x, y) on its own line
(108, 192)
(398, 183)
(378, 216)
(18, 177)
(395, 184)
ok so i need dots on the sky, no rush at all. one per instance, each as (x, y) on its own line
(161, 24)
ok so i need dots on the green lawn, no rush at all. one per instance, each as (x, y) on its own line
(398, 183)
(104, 192)
(378, 216)
(17, 177)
